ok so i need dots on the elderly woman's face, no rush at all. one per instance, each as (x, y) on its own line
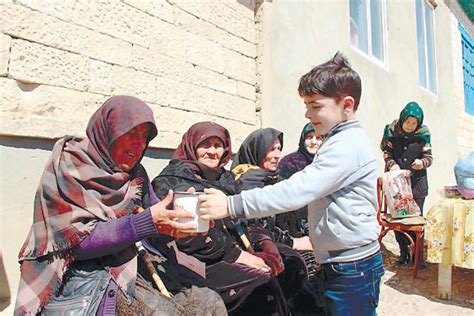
(312, 142)
(210, 151)
(410, 124)
(128, 149)
(272, 157)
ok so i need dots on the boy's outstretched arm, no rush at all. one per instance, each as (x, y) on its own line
(213, 205)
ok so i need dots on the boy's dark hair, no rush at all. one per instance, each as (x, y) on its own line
(334, 78)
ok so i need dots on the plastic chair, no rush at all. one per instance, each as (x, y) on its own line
(414, 224)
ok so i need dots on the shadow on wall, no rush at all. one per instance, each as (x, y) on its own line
(5, 296)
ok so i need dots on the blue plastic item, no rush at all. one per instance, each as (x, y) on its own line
(464, 173)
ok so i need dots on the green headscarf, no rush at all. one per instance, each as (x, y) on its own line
(395, 128)
(302, 144)
(414, 110)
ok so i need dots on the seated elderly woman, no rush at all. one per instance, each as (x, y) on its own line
(80, 256)
(237, 275)
(255, 166)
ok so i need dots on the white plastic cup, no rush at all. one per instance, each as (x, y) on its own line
(188, 201)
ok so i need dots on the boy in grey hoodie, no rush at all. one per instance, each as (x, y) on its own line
(339, 188)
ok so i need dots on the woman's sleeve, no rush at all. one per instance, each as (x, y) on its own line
(286, 167)
(388, 157)
(257, 233)
(427, 156)
(117, 234)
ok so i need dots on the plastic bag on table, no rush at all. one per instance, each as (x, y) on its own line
(464, 172)
(396, 187)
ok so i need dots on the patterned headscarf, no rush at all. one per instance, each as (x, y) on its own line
(395, 128)
(81, 185)
(191, 140)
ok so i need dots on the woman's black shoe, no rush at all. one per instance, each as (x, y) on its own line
(404, 257)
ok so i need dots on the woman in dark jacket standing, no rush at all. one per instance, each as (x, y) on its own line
(80, 256)
(234, 273)
(255, 166)
(406, 144)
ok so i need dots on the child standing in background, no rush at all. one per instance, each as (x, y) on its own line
(406, 144)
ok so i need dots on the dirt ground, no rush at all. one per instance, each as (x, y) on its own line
(403, 295)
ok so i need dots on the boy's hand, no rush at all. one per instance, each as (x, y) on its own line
(417, 164)
(213, 205)
(302, 243)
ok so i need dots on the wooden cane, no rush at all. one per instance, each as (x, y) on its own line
(149, 264)
(243, 237)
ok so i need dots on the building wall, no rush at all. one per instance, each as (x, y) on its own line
(464, 120)
(60, 60)
(304, 34)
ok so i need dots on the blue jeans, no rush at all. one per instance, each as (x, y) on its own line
(349, 288)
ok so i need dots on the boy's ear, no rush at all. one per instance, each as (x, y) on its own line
(348, 104)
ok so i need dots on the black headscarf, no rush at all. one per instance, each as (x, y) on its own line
(255, 146)
(247, 163)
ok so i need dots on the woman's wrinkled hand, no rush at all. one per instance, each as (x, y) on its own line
(273, 260)
(252, 261)
(394, 167)
(271, 256)
(417, 164)
(166, 220)
(302, 243)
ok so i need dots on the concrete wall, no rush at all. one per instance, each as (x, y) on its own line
(464, 120)
(304, 34)
(59, 60)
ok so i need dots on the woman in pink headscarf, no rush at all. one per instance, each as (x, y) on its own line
(240, 277)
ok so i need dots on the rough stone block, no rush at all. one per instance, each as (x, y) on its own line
(240, 67)
(180, 70)
(44, 111)
(173, 123)
(246, 90)
(100, 77)
(108, 16)
(158, 8)
(213, 33)
(5, 42)
(21, 22)
(222, 16)
(243, 7)
(34, 63)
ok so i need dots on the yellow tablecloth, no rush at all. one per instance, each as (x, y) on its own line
(450, 232)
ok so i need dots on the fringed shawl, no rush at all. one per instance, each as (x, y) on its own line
(80, 186)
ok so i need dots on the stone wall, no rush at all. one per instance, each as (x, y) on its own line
(59, 60)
